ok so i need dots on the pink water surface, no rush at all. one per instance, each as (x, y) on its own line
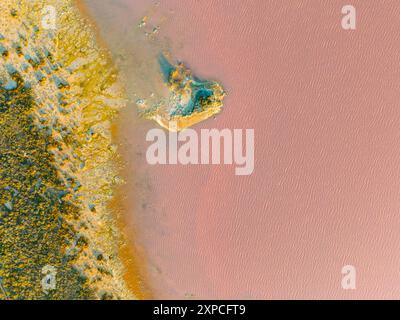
(325, 192)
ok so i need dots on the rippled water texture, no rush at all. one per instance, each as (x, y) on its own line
(326, 186)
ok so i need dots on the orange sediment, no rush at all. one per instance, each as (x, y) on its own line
(133, 261)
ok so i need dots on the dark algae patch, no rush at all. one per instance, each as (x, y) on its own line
(34, 207)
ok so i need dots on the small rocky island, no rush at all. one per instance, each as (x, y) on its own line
(191, 100)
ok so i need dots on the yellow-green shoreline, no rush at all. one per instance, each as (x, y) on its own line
(58, 99)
